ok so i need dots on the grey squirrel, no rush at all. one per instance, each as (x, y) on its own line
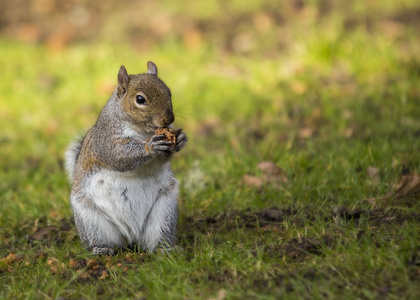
(124, 193)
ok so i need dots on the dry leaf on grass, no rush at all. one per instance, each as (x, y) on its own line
(373, 173)
(252, 181)
(271, 173)
(407, 186)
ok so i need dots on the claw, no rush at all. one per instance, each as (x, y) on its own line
(181, 141)
(178, 132)
(103, 250)
(157, 138)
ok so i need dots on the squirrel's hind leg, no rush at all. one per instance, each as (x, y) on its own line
(95, 231)
(160, 225)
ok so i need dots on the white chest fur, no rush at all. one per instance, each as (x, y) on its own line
(126, 199)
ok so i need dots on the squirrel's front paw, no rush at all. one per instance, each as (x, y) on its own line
(160, 146)
(181, 139)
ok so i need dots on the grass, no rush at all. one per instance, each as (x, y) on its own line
(337, 100)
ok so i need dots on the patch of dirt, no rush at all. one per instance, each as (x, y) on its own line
(273, 218)
(238, 219)
(302, 247)
(376, 216)
(52, 234)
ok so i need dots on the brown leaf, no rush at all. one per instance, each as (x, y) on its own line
(73, 264)
(9, 258)
(373, 173)
(408, 186)
(269, 167)
(91, 263)
(104, 274)
(252, 181)
(52, 261)
(272, 173)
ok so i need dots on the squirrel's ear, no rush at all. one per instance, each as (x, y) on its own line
(151, 68)
(122, 81)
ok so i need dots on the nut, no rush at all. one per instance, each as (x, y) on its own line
(169, 134)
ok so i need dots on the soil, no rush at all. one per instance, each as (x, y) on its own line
(266, 220)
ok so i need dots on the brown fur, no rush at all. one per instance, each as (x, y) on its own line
(158, 109)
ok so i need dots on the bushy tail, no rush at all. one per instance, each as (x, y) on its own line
(70, 157)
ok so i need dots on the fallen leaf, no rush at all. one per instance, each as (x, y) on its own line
(9, 258)
(272, 173)
(54, 269)
(252, 181)
(373, 173)
(52, 261)
(269, 167)
(408, 186)
(91, 263)
(104, 274)
(72, 264)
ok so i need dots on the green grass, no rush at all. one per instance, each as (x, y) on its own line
(339, 98)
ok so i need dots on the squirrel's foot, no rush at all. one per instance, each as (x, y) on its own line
(103, 250)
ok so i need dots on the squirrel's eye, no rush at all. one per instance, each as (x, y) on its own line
(140, 100)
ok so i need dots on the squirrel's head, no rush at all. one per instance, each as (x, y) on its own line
(145, 98)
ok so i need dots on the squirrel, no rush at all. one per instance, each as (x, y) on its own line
(123, 191)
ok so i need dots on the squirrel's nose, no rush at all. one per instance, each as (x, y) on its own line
(169, 118)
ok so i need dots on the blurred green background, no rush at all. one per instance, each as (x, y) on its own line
(285, 81)
(252, 81)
